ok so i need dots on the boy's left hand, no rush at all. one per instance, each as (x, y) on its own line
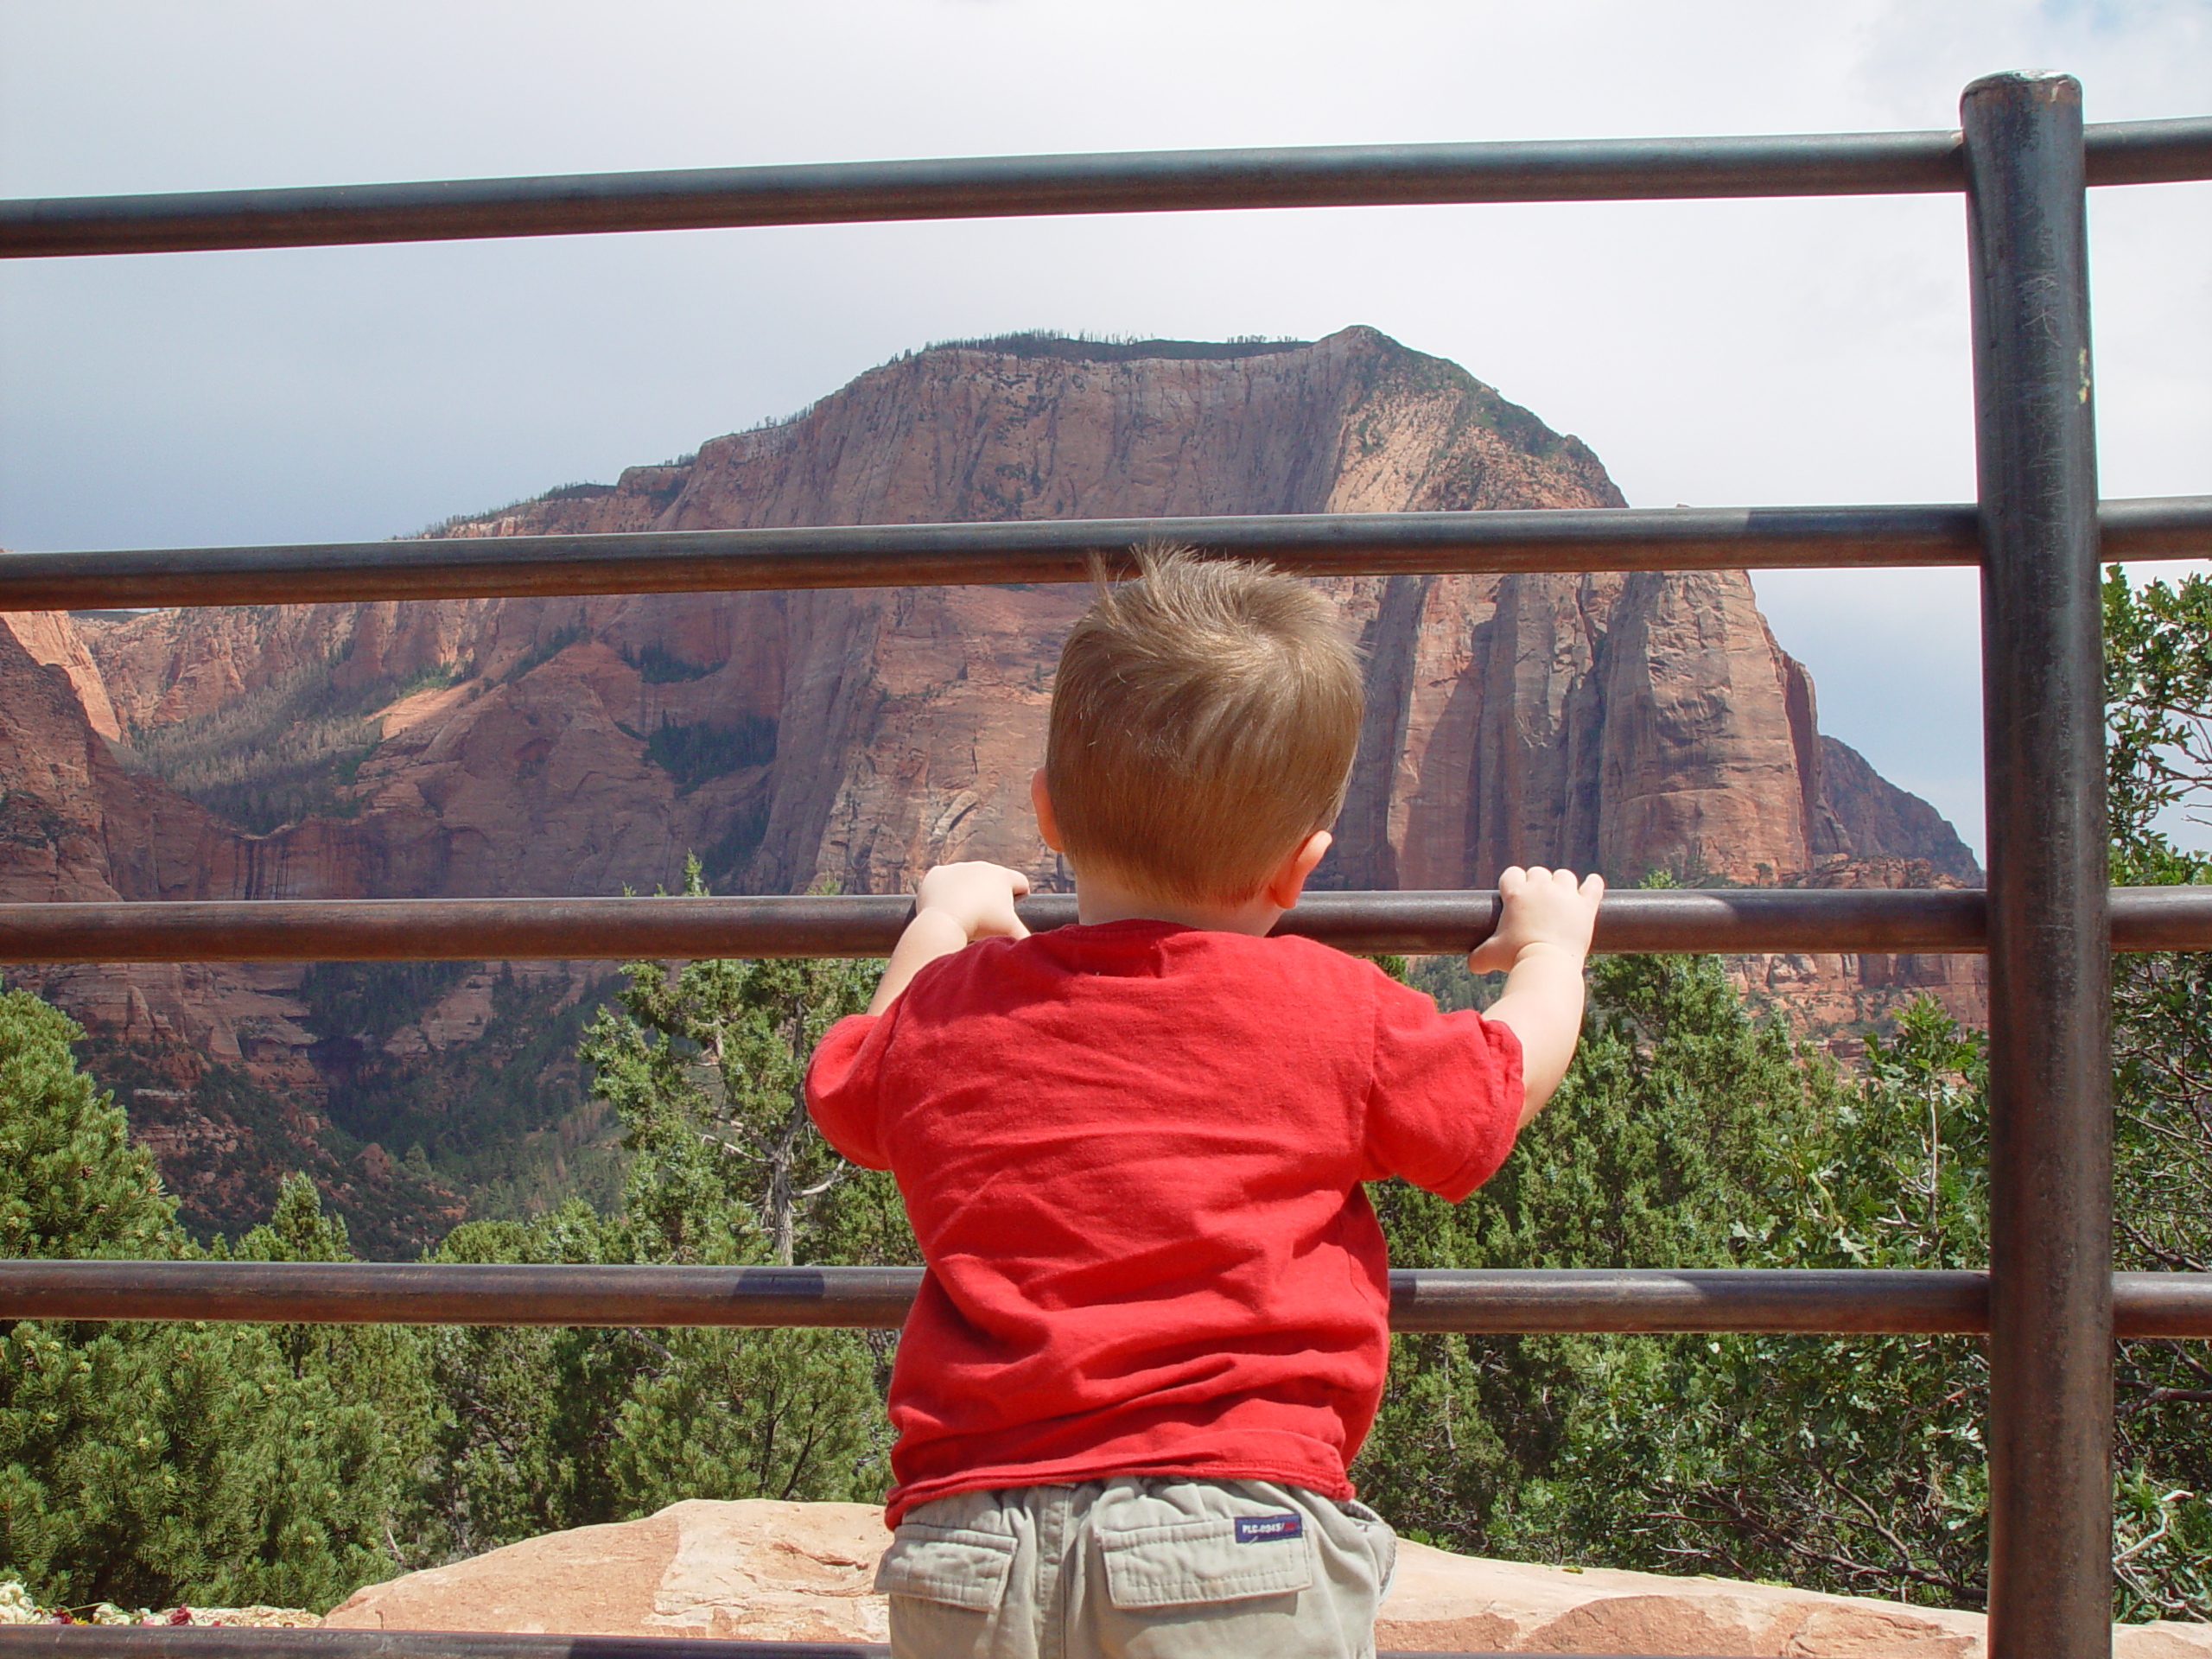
(978, 898)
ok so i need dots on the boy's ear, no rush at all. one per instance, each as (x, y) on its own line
(1048, 826)
(1289, 879)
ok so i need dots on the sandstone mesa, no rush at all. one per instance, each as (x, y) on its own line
(528, 746)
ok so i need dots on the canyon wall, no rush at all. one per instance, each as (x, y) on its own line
(562, 745)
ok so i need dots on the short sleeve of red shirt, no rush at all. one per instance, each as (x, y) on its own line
(840, 1092)
(1445, 1101)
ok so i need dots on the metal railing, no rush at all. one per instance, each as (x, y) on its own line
(999, 186)
(904, 555)
(1906, 1303)
(2050, 1304)
(1735, 921)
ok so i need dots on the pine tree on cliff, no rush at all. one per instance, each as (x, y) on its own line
(706, 1070)
(544, 1429)
(149, 1465)
(2159, 715)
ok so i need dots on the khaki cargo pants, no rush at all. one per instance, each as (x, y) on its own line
(1137, 1569)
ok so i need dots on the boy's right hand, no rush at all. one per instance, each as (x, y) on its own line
(977, 897)
(1541, 908)
(956, 905)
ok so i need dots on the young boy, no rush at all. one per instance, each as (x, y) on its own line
(1154, 1328)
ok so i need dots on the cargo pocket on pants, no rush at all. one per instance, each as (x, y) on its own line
(946, 1564)
(1219, 1559)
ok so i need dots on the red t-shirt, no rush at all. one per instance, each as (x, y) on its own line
(1132, 1155)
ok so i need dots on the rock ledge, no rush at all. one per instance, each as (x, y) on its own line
(766, 1571)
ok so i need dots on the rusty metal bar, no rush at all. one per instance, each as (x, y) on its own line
(904, 555)
(222, 1642)
(2050, 1402)
(1802, 1300)
(81, 1642)
(377, 1293)
(1697, 921)
(996, 186)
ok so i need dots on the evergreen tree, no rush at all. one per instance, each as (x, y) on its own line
(71, 1183)
(1689, 1134)
(525, 1413)
(1653, 1153)
(2158, 717)
(148, 1465)
(708, 1070)
(545, 1429)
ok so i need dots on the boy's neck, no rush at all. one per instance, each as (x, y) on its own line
(1099, 899)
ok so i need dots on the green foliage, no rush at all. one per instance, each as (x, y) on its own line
(789, 1414)
(148, 1464)
(1606, 1177)
(2158, 721)
(2158, 718)
(281, 753)
(520, 1445)
(1689, 1135)
(147, 1467)
(708, 1070)
(695, 753)
(657, 665)
(547, 1429)
(71, 1183)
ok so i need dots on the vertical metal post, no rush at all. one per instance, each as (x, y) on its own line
(2049, 953)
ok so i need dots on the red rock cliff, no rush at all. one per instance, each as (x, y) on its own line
(573, 746)
(521, 747)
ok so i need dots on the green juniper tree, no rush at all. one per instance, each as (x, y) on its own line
(1690, 1134)
(2158, 709)
(543, 1429)
(150, 1463)
(707, 1068)
(524, 1414)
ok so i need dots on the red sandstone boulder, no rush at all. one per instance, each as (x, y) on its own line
(800, 1572)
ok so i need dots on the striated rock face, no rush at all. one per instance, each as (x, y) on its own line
(1879, 820)
(1836, 997)
(559, 746)
(763, 1571)
(573, 746)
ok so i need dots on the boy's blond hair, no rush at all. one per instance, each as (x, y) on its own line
(1204, 723)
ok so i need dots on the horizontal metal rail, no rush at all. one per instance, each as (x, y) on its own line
(1810, 1302)
(902, 556)
(1695, 921)
(184, 1642)
(998, 187)
(227, 1642)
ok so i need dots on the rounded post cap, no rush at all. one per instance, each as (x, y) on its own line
(2053, 84)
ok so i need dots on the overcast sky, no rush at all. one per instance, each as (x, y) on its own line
(1713, 353)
